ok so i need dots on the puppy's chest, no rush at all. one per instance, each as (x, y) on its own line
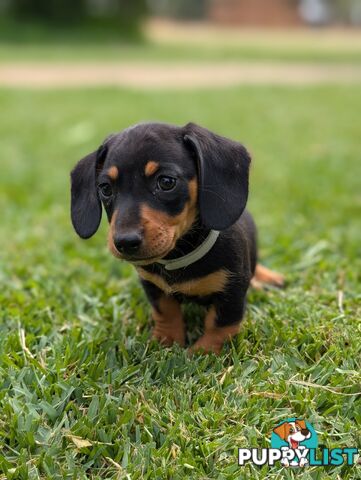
(201, 286)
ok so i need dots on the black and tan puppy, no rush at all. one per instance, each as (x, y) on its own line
(175, 199)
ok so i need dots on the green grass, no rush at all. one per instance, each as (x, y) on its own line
(83, 393)
(154, 51)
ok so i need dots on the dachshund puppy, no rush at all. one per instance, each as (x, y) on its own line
(175, 199)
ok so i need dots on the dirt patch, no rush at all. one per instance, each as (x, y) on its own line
(174, 76)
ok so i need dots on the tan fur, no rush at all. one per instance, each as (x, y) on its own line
(301, 424)
(214, 337)
(212, 283)
(161, 231)
(111, 245)
(265, 276)
(168, 322)
(282, 430)
(193, 191)
(113, 172)
(150, 168)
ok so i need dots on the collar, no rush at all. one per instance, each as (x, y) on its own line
(191, 257)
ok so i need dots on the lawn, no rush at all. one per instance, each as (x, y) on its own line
(83, 392)
(162, 52)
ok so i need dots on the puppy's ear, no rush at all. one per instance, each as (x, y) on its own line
(281, 430)
(302, 424)
(223, 170)
(86, 208)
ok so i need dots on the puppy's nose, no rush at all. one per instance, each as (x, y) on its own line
(305, 432)
(128, 243)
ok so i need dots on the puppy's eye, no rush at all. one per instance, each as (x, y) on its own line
(166, 183)
(291, 430)
(106, 189)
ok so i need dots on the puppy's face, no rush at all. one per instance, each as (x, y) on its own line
(153, 181)
(148, 187)
(293, 432)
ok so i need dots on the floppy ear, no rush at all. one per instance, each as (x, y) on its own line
(86, 208)
(302, 424)
(223, 170)
(281, 431)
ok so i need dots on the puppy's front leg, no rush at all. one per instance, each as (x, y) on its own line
(167, 315)
(221, 323)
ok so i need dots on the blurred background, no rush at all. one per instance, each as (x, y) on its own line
(147, 31)
(282, 76)
(127, 14)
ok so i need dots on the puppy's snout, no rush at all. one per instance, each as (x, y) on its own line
(128, 243)
(305, 432)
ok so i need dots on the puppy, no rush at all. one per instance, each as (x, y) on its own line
(293, 433)
(175, 199)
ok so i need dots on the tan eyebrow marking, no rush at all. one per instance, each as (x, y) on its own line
(151, 167)
(113, 172)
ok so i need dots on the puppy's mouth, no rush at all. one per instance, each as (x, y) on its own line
(145, 256)
(294, 443)
(139, 259)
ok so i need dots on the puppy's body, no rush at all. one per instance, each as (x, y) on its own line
(218, 281)
(165, 190)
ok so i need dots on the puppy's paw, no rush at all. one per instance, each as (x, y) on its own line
(206, 344)
(168, 338)
(214, 337)
(285, 462)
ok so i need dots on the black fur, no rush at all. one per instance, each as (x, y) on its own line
(222, 169)
(86, 209)
(235, 251)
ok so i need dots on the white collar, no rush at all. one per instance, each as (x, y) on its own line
(191, 257)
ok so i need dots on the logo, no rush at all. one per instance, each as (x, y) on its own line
(294, 444)
(294, 438)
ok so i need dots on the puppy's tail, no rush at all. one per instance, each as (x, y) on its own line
(263, 276)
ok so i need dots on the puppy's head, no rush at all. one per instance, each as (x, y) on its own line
(293, 432)
(154, 181)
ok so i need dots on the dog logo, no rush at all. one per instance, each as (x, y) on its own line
(294, 444)
(294, 437)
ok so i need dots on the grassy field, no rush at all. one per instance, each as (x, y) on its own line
(158, 51)
(83, 392)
